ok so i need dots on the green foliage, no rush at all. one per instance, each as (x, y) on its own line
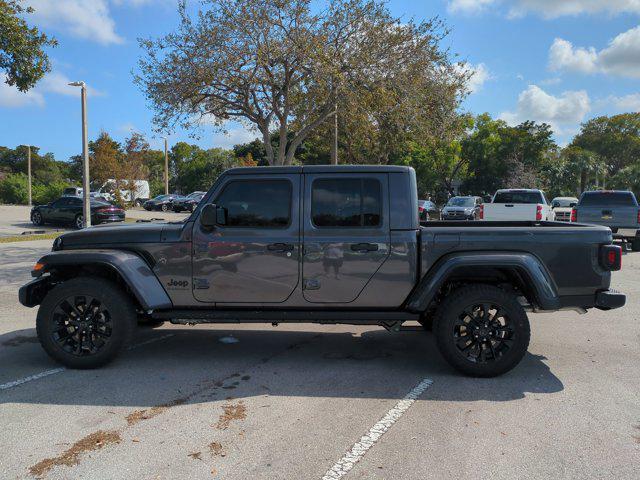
(14, 189)
(45, 193)
(22, 55)
(197, 169)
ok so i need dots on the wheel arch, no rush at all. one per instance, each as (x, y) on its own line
(125, 268)
(522, 271)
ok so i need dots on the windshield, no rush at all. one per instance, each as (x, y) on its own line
(563, 202)
(161, 197)
(518, 197)
(608, 199)
(461, 202)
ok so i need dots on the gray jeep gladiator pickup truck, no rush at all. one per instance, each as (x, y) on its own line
(324, 244)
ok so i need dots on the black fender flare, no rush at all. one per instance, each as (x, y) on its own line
(527, 265)
(132, 268)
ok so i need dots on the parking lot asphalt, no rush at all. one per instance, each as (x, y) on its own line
(15, 220)
(294, 402)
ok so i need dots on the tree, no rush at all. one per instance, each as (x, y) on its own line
(501, 156)
(22, 55)
(616, 140)
(105, 157)
(279, 67)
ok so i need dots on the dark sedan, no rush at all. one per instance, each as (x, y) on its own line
(189, 203)
(68, 210)
(162, 202)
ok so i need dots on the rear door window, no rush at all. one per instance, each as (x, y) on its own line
(346, 202)
(620, 199)
(519, 197)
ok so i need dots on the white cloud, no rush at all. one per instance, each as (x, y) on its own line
(563, 112)
(480, 75)
(548, 8)
(89, 19)
(234, 136)
(621, 57)
(11, 97)
(563, 56)
(54, 82)
(468, 6)
(57, 82)
(625, 103)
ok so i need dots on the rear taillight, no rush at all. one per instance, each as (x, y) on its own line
(574, 215)
(481, 212)
(638, 216)
(611, 257)
(538, 212)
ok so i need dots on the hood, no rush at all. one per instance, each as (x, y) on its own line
(127, 233)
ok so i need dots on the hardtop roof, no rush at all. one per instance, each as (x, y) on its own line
(318, 169)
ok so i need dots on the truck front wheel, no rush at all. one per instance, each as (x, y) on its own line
(482, 330)
(84, 322)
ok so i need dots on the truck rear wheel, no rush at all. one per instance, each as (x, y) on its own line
(84, 322)
(482, 330)
(635, 245)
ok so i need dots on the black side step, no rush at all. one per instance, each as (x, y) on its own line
(349, 317)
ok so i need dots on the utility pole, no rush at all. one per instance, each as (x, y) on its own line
(29, 173)
(334, 139)
(166, 167)
(86, 205)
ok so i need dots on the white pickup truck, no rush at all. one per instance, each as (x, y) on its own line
(518, 204)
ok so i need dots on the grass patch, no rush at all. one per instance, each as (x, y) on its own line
(27, 238)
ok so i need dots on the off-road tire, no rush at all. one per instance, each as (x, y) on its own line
(122, 316)
(448, 321)
(635, 245)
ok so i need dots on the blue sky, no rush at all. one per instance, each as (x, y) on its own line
(558, 61)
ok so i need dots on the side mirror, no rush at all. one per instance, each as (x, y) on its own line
(213, 215)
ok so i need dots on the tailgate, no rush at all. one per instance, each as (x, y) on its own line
(509, 211)
(610, 216)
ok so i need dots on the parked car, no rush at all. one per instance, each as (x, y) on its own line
(616, 209)
(462, 208)
(562, 207)
(518, 204)
(428, 210)
(325, 244)
(68, 210)
(189, 203)
(72, 192)
(162, 202)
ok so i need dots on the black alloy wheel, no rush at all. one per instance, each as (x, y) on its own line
(81, 325)
(84, 322)
(482, 330)
(36, 218)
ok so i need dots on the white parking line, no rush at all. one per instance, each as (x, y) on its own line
(30, 378)
(46, 373)
(354, 455)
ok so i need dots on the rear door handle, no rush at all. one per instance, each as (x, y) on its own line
(280, 247)
(364, 247)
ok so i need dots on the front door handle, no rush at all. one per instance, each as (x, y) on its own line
(280, 247)
(364, 247)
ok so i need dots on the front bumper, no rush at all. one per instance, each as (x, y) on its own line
(32, 293)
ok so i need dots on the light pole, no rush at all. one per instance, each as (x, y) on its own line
(29, 173)
(86, 206)
(166, 168)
